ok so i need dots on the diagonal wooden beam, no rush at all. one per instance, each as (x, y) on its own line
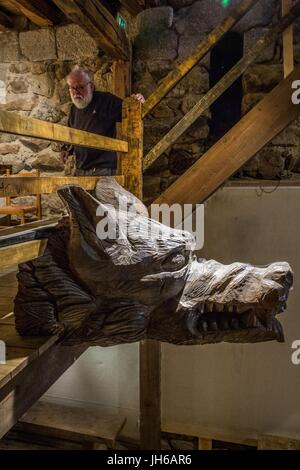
(181, 70)
(287, 41)
(97, 21)
(269, 117)
(132, 6)
(41, 12)
(214, 93)
(13, 123)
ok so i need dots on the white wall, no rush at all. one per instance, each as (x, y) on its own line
(232, 387)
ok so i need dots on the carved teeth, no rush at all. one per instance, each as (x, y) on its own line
(201, 308)
(210, 307)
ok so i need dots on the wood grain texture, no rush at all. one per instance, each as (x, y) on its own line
(215, 92)
(16, 254)
(69, 422)
(269, 117)
(132, 131)
(13, 123)
(287, 40)
(132, 6)
(40, 12)
(19, 186)
(150, 395)
(98, 22)
(181, 70)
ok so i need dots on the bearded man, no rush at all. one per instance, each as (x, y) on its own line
(97, 112)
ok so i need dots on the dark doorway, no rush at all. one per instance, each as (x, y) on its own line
(226, 111)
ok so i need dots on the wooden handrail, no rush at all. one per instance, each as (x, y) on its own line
(176, 75)
(214, 93)
(22, 186)
(13, 123)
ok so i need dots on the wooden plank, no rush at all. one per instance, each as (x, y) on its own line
(287, 41)
(97, 21)
(16, 254)
(214, 93)
(69, 422)
(181, 70)
(269, 117)
(40, 12)
(134, 7)
(33, 381)
(16, 360)
(208, 434)
(122, 78)
(13, 123)
(12, 339)
(131, 164)
(269, 442)
(150, 395)
(121, 87)
(22, 186)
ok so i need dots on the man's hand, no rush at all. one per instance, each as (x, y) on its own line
(64, 155)
(139, 97)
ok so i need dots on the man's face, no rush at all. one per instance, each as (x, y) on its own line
(81, 90)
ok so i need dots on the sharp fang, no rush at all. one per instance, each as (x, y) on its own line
(201, 308)
(203, 326)
(210, 307)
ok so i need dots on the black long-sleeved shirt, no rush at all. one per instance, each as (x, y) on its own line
(99, 117)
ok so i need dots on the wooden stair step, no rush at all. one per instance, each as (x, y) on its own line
(69, 422)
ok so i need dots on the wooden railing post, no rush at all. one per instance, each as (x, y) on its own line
(132, 131)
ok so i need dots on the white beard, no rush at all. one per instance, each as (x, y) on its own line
(82, 103)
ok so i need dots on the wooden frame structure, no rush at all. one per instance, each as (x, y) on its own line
(213, 169)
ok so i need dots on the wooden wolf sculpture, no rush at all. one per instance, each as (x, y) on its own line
(143, 282)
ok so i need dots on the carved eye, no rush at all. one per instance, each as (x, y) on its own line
(174, 262)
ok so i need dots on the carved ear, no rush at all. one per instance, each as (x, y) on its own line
(86, 213)
(109, 191)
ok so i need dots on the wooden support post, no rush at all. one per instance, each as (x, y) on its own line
(131, 164)
(287, 41)
(215, 92)
(150, 403)
(122, 89)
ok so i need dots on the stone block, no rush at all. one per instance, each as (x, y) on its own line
(250, 38)
(20, 103)
(42, 85)
(9, 148)
(262, 78)
(47, 160)
(73, 42)
(38, 45)
(9, 47)
(17, 85)
(46, 112)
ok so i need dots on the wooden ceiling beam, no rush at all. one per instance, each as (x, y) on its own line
(40, 12)
(98, 22)
(134, 7)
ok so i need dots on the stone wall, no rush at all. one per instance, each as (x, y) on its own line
(33, 67)
(165, 35)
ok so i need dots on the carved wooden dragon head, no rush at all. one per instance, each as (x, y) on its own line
(142, 282)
